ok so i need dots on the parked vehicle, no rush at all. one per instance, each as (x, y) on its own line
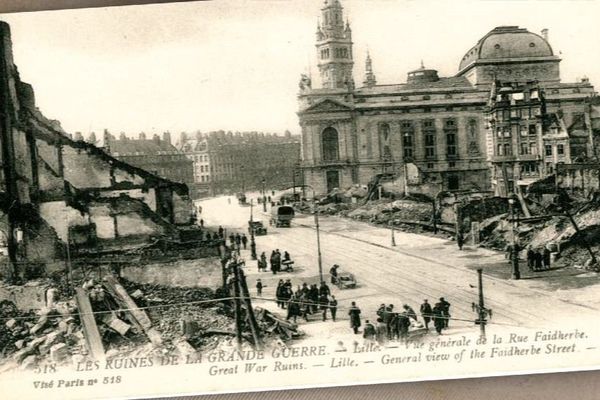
(258, 227)
(281, 216)
(345, 280)
(241, 198)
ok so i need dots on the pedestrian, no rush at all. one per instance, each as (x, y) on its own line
(369, 333)
(201, 223)
(530, 258)
(388, 316)
(262, 263)
(220, 231)
(232, 240)
(354, 314)
(508, 252)
(313, 296)
(244, 240)
(238, 240)
(272, 261)
(438, 318)
(380, 310)
(460, 240)
(546, 258)
(293, 308)
(334, 274)
(333, 307)
(277, 261)
(269, 199)
(426, 313)
(259, 287)
(445, 311)
(381, 332)
(324, 301)
(410, 313)
(286, 257)
(403, 323)
(324, 289)
(278, 293)
(538, 261)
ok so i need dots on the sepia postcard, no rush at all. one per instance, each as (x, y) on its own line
(229, 196)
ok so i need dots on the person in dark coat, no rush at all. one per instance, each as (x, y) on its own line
(546, 258)
(333, 307)
(220, 231)
(388, 316)
(293, 308)
(445, 311)
(324, 302)
(408, 310)
(201, 223)
(369, 332)
(438, 318)
(278, 293)
(334, 274)
(426, 312)
(354, 314)
(313, 296)
(259, 287)
(538, 261)
(238, 240)
(530, 255)
(402, 322)
(262, 263)
(381, 331)
(244, 240)
(324, 289)
(460, 240)
(381, 310)
(232, 240)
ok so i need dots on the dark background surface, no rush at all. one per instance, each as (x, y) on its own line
(572, 385)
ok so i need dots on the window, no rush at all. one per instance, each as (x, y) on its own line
(560, 149)
(426, 97)
(430, 165)
(427, 124)
(407, 141)
(548, 149)
(507, 149)
(450, 123)
(524, 148)
(533, 148)
(524, 130)
(451, 144)
(506, 131)
(430, 144)
(499, 151)
(330, 144)
(406, 124)
(532, 130)
(453, 182)
(451, 164)
(472, 129)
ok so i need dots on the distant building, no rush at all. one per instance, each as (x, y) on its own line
(155, 155)
(233, 162)
(429, 133)
(196, 149)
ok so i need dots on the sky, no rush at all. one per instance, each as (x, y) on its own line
(235, 65)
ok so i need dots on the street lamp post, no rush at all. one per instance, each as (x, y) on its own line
(393, 237)
(316, 205)
(516, 274)
(264, 197)
(252, 241)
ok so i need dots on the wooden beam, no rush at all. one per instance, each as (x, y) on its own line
(137, 317)
(90, 329)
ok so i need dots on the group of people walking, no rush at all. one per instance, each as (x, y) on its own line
(538, 259)
(394, 325)
(276, 261)
(306, 300)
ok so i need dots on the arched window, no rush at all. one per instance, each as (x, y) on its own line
(331, 150)
(384, 137)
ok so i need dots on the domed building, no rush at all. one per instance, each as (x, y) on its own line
(433, 133)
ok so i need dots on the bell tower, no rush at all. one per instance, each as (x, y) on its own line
(334, 48)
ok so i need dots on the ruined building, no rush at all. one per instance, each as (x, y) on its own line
(429, 132)
(154, 155)
(59, 194)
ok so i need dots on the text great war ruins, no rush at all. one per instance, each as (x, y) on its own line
(439, 224)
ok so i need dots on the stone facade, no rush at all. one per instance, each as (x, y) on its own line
(234, 162)
(432, 126)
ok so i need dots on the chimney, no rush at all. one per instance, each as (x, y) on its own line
(78, 137)
(142, 136)
(122, 136)
(167, 137)
(545, 34)
(156, 138)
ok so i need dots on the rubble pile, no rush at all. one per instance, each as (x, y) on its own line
(276, 327)
(385, 211)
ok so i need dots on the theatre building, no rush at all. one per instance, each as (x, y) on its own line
(431, 133)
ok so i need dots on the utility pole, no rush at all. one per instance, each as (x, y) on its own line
(316, 205)
(252, 241)
(249, 310)
(482, 312)
(237, 302)
(264, 198)
(393, 237)
(516, 274)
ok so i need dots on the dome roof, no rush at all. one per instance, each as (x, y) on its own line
(507, 42)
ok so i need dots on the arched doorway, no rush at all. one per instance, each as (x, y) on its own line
(330, 144)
